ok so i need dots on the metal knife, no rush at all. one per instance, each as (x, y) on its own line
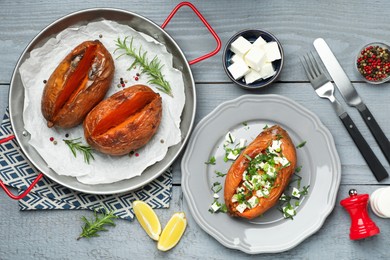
(350, 94)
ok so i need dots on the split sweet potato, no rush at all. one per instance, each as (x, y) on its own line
(125, 121)
(258, 177)
(79, 82)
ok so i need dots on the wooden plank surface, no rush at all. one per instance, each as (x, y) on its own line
(346, 28)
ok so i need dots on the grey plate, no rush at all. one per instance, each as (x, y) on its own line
(139, 23)
(245, 117)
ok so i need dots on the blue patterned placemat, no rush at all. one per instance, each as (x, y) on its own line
(16, 171)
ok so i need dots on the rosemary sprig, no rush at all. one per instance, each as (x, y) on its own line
(91, 228)
(76, 145)
(152, 68)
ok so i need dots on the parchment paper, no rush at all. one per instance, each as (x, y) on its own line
(104, 169)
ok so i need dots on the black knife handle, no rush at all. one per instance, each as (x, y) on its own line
(376, 131)
(372, 161)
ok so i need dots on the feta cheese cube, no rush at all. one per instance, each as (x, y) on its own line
(267, 70)
(242, 143)
(232, 156)
(283, 197)
(234, 198)
(238, 69)
(272, 51)
(241, 207)
(240, 190)
(288, 211)
(255, 58)
(259, 194)
(215, 207)
(216, 196)
(252, 76)
(236, 58)
(259, 42)
(276, 145)
(253, 201)
(295, 193)
(240, 46)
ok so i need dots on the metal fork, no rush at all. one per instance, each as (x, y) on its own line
(325, 89)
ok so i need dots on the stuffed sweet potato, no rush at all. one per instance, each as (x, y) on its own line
(79, 82)
(125, 121)
(258, 177)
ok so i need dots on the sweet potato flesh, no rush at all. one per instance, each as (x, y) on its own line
(77, 80)
(125, 111)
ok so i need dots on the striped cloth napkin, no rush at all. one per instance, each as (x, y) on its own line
(17, 172)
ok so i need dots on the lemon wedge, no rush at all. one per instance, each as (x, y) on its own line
(147, 218)
(172, 232)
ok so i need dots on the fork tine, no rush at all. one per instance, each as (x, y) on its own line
(316, 66)
(305, 66)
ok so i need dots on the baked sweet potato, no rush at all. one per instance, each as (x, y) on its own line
(258, 177)
(79, 82)
(125, 121)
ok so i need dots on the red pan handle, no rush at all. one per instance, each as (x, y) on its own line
(7, 191)
(208, 26)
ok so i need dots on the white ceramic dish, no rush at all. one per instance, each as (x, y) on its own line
(245, 117)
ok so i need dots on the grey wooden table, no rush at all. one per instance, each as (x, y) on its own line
(346, 25)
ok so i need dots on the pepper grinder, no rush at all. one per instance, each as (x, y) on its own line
(362, 225)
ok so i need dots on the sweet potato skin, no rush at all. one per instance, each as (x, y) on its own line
(133, 132)
(235, 173)
(94, 88)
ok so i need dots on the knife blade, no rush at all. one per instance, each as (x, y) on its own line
(350, 94)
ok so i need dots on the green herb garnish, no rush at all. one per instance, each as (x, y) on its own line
(211, 160)
(152, 68)
(298, 169)
(220, 174)
(91, 228)
(301, 144)
(76, 145)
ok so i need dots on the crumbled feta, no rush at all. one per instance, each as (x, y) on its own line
(259, 194)
(234, 198)
(272, 51)
(288, 211)
(215, 206)
(267, 185)
(241, 207)
(259, 42)
(295, 193)
(276, 145)
(271, 172)
(230, 138)
(232, 156)
(238, 69)
(253, 201)
(283, 197)
(216, 196)
(261, 165)
(244, 175)
(240, 190)
(242, 143)
(255, 58)
(267, 70)
(240, 46)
